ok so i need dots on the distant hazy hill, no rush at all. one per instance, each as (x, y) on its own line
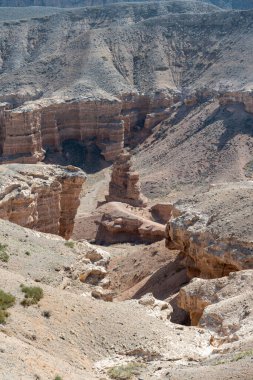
(231, 4)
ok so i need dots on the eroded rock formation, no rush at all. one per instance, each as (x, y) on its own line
(123, 224)
(213, 230)
(41, 197)
(124, 185)
(117, 222)
(224, 305)
(44, 126)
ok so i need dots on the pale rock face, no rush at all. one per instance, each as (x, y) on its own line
(224, 306)
(102, 294)
(93, 254)
(124, 185)
(91, 265)
(159, 309)
(41, 197)
(92, 274)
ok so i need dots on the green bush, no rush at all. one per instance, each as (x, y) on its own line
(58, 378)
(3, 254)
(3, 315)
(6, 301)
(125, 372)
(69, 244)
(33, 295)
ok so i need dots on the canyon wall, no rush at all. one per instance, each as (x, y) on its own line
(244, 97)
(28, 131)
(41, 197)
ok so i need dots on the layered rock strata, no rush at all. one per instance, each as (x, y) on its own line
(41, 197)
(213, 230)
(38, 127)
(244, 97)
(124, 185)
(108, 123)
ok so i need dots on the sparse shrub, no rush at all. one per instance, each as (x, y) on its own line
(124, 372)
(33, 295)
(242, 355)
(235, 358)
(27, 253)
(3, 315)
(6, 301)
(58, 378)
(3, 254)
(46, 314)
(69, 244)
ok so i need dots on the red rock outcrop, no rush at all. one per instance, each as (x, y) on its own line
(162, 212)
(41, 197)
(20, 133)
(140, 113)
(124, 185)
(97, 120)
(27, 131)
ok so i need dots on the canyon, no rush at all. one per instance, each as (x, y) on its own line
(126, 182)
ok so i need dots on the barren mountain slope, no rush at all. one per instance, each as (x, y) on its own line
(111, 50)
(94, 50)
(196, 146)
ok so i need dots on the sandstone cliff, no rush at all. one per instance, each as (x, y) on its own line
(108, 123)
(41, 197)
